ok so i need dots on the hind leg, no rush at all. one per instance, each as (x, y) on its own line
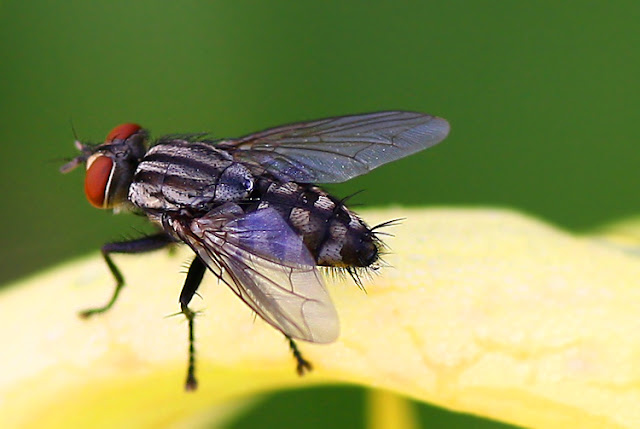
(302, 365)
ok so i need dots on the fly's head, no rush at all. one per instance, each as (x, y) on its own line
(110, 166)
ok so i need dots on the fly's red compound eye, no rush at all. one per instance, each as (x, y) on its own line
(96, 181)
(123, 131)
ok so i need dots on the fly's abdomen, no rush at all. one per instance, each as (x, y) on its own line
(334, 235)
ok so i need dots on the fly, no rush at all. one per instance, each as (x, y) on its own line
(250, 210)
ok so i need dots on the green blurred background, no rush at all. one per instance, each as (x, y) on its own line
(542, 97)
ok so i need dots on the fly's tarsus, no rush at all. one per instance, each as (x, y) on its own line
(302, 365)
(85, 314)
(191, 383)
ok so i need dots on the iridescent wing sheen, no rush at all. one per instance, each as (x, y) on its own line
(267, 265)
(336, 149)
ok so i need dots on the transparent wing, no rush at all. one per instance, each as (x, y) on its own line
(267, 265)
(336, 149)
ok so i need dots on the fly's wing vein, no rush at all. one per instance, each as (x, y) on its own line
(337, 149)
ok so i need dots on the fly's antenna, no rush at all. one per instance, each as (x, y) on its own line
(73, 129)
(86, 150)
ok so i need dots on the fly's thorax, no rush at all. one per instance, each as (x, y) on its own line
(177, 174)
(334, 235)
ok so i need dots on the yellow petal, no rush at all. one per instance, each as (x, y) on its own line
(481, 311)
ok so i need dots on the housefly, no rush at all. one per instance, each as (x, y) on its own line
(250, 210)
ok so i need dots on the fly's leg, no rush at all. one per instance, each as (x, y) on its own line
(140, 245)
(302, 365)
(191, 284)
(191, 383)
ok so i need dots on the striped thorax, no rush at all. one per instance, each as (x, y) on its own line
(194, 176)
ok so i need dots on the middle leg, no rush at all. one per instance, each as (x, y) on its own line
(191, 284)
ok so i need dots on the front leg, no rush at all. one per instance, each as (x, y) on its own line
(140, 245)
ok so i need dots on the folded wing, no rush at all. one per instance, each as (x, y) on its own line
(267, 265)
